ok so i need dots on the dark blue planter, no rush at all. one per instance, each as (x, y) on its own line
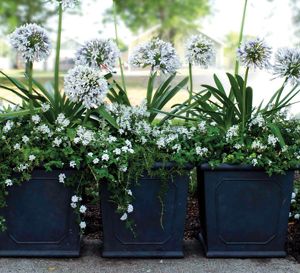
(151, 239)
(243, 211)
(40, 221)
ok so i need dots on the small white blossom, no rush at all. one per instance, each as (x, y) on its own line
(36, 119)
(254, 162)
(83, 136)
(202, 127)
(86, 85)
(75, 199)
(129, 192)
(62, 121)
(8, 182)
(56, 142)
(44, 129)
(293, 195)
(82, 209)
(124, 217)
(32, 42)
(157, 54)
(96, 160)
(233, 131)
(237, 146)
(25, 139)
(117, 151)
(22, 167)
(123, 169)
(272, 140)
(73, 205)
(258, 120)
(297, 216)
(45, 107)
(98, 54)
(257, 145)
(32, 157)
(72, 164)
(17, 146)
(8, 126)
(201, 151)
(105, 157)
(82, 225)
(90, 154)
(61, 178)
(200, 51)
(130, 208)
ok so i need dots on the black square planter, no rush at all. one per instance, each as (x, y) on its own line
(152, 240)
(243, 211)
(40, 221)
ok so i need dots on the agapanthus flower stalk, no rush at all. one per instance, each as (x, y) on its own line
(86, 85)
(159, 55)
(99, 54)
(255, 54)
(287, 64)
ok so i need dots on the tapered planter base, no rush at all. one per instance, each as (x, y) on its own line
(39, 219)
(151, 238)
(243, 211)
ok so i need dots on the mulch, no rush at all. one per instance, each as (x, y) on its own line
(192, 227)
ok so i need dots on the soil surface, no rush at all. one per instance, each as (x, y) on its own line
(192, 226)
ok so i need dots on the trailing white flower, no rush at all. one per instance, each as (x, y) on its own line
(105, 157)
(36, 119)
(200, 51)
(258, 120)
(201, 151)
(32, 157)
(130, 208)
(8, 126)
(257, 145)
(75, 199)
(159, 55)
(17, 146)
(297, 216)
(57, 142)
(86, 85)
(254, 162)
(129, 192)
(61, 178)
(84, 136)
(96, 160)
(272, 140)
(73, 205)
(124, 217)
(25, 139)
(287, 64)
(62, 120)
(98, 54)
(72, 164)
(32, 42)
(8, 182)
(82, 225)
(45, 107)
(255, 53)
(44, 129)
(233, 131)
(82, 209)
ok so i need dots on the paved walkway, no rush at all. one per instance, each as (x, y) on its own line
(194, 262)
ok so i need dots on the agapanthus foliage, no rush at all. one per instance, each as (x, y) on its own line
(287, 64)
(31, 42)
(159, 55)
(86, 85)
(98, 53)
(255, 54)
(200, 51)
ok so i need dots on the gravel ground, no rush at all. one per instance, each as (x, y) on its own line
(194, 262)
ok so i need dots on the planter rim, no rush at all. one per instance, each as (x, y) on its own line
(170, 165)
(235, 167)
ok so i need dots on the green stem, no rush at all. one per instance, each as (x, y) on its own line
(280, 93)
(237, 65)
(244, 100)
(29, 71)
(117, 41)
(87, 115)
(58, 45)
(190, 85)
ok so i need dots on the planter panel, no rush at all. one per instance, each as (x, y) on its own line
(151, 239)
(39, 219)
(245, 212)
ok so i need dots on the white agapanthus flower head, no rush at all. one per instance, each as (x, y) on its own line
(86, 85)
(98, 53)
(255, 53)
(32, 42)
(200, 51)
(159, 55)
(67, 3)
(287, 64)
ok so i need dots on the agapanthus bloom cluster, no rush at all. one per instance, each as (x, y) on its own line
(255, 54)
(287, 64)
(32, 42)
(86, 85)
(159, 55)
(98, 54)
(67, 3)
(200, 51)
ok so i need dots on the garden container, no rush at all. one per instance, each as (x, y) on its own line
(152, 238)
(39, 219)
(243, 211)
